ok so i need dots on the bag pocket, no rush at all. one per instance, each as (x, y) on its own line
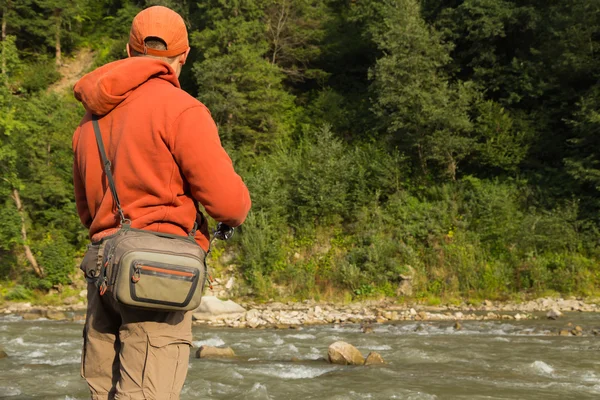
(166, 365)
(160, 281)
(90, 264)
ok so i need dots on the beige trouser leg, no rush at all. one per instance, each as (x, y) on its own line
(131, 353)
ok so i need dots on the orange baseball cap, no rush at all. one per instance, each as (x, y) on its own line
(163, 23)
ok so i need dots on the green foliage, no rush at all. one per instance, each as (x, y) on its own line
(500, 143)
(9, 226)
(261, 246)
(38, 76)
(321, 173)
(56, 254)
(18, 292)
(425, 114)
(236, 78)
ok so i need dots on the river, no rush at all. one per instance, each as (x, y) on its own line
(428, 360)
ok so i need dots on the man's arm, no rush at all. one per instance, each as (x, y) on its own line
(80, 197)
(197, 149)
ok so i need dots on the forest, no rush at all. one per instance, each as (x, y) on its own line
(453, 141)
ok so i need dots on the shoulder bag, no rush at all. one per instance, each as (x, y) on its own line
(148, 269)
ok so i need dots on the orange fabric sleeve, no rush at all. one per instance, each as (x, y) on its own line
(80, 196)
(197, 149)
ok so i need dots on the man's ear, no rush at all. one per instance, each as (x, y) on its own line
(128, 50)
(184, 56)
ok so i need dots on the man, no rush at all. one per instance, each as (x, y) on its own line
(166, 158)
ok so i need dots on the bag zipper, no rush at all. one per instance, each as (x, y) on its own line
(141, 268)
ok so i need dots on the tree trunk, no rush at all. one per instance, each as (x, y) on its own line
(277, 29)
(57, 15)
(452, 167)
(4, 11)
(28, 253)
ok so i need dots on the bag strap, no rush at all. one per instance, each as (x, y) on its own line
(107, 170)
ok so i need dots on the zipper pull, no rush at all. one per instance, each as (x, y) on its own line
(135, 278)
(210, 280)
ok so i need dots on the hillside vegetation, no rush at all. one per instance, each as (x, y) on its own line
(457, 141)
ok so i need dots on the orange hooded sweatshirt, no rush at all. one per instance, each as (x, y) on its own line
(165, 152)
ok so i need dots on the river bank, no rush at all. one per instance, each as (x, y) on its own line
(248, 314)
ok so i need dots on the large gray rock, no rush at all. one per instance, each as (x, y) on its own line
(343, 353)
(213, 309)
(215, 352)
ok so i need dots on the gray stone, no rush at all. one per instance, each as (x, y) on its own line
(215, 352)
(252, 314)
(71, 300)
(230, 283)
(253, 322)
(213, 309)
(374, 358)
(19, 307)
(343, 353)
(31, 316)
(405, 288)
(56, 315)
(554, 314)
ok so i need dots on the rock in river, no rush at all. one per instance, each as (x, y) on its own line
(214, 352)
(343, 353)
(3, 353)
(29, 316)
(56, 315)
(554, 314)
(374, 358)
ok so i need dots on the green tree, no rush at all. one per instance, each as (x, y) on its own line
(420, 109)
(237, 80)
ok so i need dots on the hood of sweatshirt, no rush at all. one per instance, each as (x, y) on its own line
(105, 88)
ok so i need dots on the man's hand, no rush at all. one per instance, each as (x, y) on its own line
(223, 231)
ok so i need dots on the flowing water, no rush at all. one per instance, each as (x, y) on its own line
(428, 360)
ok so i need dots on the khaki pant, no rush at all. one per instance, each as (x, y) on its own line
(132, 353)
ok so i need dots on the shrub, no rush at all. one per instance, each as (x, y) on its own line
(39, 76)
(19, 292)
(55, 254)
